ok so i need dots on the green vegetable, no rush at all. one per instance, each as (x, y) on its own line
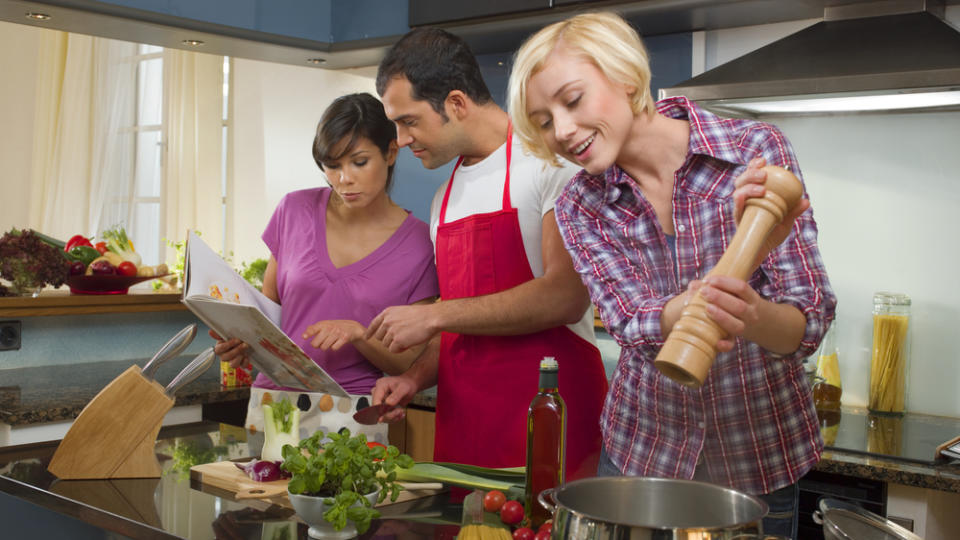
(118, 243)
(480, 478)
(344, 470)
(254, 272)
(281, 426)
(84, 254)
(50, 241)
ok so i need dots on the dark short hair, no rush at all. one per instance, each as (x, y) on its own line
(435, 62)
(353, 116)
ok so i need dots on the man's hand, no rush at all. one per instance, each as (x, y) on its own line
(333, 334)
(402, 327)
(749, 185)
(232, 350)
(395, 392)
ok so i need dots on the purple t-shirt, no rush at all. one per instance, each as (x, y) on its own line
(401, 271)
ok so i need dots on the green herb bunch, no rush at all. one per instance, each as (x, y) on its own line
(344, 470)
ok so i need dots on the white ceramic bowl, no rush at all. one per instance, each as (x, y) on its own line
(310, 509)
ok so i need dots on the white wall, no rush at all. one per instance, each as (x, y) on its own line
(885, 191)
(17, 97)
(275, 112)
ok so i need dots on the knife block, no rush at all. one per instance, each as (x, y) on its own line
(115, 434)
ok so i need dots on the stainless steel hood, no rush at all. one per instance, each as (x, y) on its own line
(905, 54)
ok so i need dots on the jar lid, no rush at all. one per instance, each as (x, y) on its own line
(890, 298)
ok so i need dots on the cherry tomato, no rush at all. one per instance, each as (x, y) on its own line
(493, 500)
(127, 268)
(511, 512)
(374, 444)
(547, 526)
(542, 535)
(523, 533)
(101, 247)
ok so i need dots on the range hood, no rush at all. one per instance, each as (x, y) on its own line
(853, 60)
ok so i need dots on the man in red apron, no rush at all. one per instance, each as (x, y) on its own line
(500, 312)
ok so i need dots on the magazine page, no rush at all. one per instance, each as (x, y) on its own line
(271, 351)
(206, 274)
(233, 308)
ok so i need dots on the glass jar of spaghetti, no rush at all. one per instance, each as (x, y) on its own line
(888, 363)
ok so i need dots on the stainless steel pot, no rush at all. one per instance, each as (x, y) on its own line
(638, 508)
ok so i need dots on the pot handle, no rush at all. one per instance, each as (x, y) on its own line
(817, 517)
(542, 499)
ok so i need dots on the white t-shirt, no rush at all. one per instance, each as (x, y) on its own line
(534, 188)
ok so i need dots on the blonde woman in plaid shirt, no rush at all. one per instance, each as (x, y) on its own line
(649, 215)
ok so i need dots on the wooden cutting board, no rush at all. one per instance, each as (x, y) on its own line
(226, 476)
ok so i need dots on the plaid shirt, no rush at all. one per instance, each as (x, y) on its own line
(753, 420)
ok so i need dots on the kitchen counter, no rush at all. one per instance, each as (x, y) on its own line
(175, 506)
(36, 395)
(899, 450)
(61, 302)
(55, 393)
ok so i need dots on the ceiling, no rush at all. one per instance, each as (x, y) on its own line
(486, 36)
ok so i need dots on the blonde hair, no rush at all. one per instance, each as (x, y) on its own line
(606, 40)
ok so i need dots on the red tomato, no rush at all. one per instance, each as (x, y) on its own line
(493, 500)
(542, 535)
(101, 247)
(374, 444)
(511, 512)
(127, 268)
(547, 526)
(523, 533)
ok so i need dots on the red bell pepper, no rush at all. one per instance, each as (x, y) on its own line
(77, 240)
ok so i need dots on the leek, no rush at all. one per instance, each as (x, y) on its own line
(281, 425)
(479, 478)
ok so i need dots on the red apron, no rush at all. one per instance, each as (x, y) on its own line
(485, 383)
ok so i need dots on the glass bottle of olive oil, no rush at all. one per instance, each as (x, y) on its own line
(546, 441)
(827, 388)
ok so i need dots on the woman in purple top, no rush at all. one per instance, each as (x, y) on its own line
(339, 256)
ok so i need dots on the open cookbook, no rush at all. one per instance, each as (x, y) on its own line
(233, 308)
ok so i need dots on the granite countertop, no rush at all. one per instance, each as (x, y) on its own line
(58, 393)
(36, 395)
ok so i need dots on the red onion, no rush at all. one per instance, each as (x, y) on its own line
(262, 470)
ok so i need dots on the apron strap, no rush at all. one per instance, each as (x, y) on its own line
(506, 180)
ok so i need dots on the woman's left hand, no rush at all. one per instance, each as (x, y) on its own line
(733, 305)
(333, 334)
(750, 185)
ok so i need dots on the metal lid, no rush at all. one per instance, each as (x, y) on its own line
(844, 520)
(891, 298)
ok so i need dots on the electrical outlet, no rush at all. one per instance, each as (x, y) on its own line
(9, 335)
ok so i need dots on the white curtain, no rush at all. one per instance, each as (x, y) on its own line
(81, 157)
(193, 94)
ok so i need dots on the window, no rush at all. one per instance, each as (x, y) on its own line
(147, 204)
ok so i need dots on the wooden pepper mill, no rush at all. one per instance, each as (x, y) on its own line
(691, 347)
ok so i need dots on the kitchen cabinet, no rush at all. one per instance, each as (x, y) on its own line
(423, 12)
(419, 433)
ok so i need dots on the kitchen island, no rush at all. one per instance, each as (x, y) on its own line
(38, 505)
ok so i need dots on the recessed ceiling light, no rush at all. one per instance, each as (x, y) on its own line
(192, 42)
(316, 60)
(38, 16)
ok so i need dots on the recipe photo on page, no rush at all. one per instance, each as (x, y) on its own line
(233, 308)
